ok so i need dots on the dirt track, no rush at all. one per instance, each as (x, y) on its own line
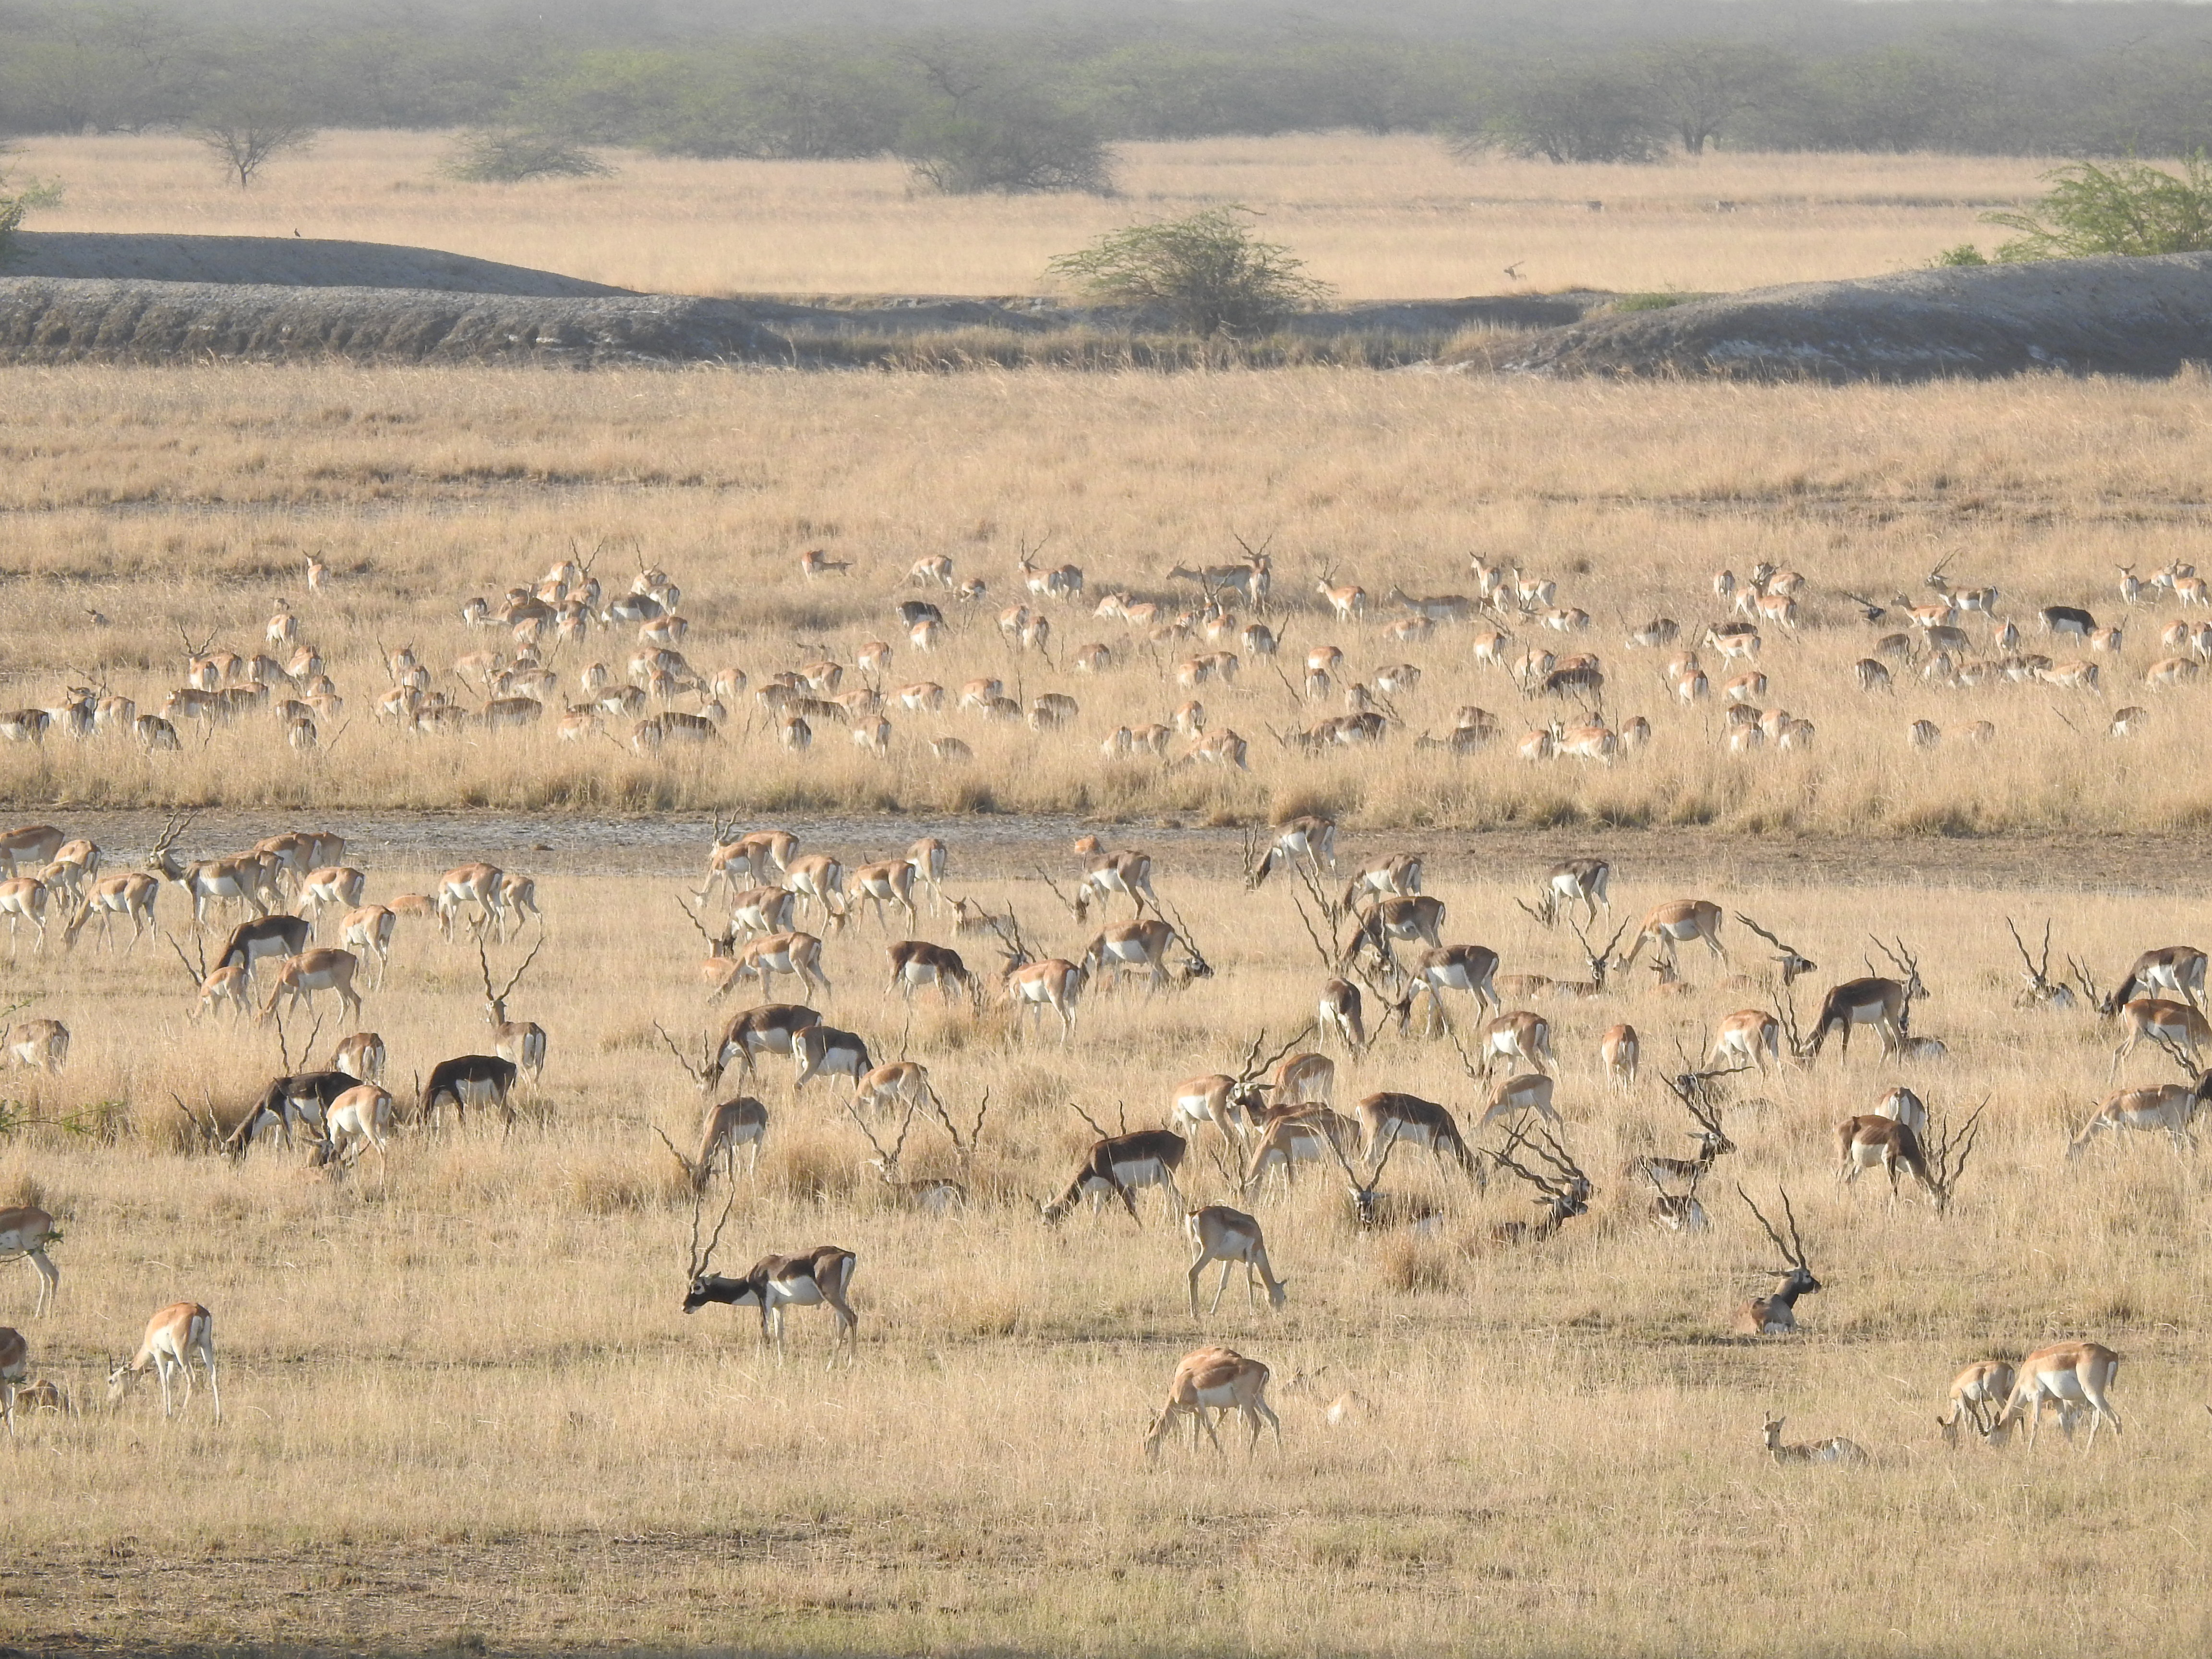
(1001, 846)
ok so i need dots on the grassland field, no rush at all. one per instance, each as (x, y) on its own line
(463, 1411)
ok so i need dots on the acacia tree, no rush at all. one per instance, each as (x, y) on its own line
(1697, 87)
(1601, 113)
(1208, 270)
(244, 133)
(985, 127)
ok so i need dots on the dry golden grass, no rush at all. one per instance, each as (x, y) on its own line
(462, 1404)
(1380, 218)
(422, 488)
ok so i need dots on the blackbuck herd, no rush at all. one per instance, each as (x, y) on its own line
(1383, 967)
(1222, 630)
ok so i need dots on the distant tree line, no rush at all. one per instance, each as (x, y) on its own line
(1038, 107)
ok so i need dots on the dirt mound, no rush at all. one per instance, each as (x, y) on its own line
(2109, 316)
(57, 320)
(84, 297)
(286, 261)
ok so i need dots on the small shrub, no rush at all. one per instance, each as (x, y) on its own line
(1208, 270)
(1964, 254)
(493, 156)
(2130, 208)
(1666, 302)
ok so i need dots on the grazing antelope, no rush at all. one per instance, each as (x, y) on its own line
(518, 899)
(1531, 1092)
(2171, 1025)
(323, 969)
(2176, 968)
(1401, 917)
(1466, 968)
(1214, 1379)
(888, 882)
(1309, 838)
(361, 1055)
(1833, 1449)
(823, 1051)
(2065, 1375)
(332, 885)
(275, 935)
(1033, 986)
(39, 1045)
(173, 1335)
(1339, 1014)
(762, 910)
(1677, 923)
(751, 853)
(73, 865)
(1978, 1395)
(477, 884)
(368, 931)
(1221, 1234)
(819, 1278)
(1884, 1004)
(358, 1119)
(2171, 1107)
(1117, 1166)
(24, 900)
(1577, 881)
(1131, 944)
(1746, 1037)
(27, 1233)
(1901, 1105)
(34, 843)
(1522, 1038)
(927, 859)
(772, 1028)
(915, 963)
(1291, 1134)
(1874, 1142)
(469, 1080)
(797, 954)
(723, 1126)
(902, 1084)
(1776, 1313)
(1619, 1050)
(742, 1121)
(819, 878)
(1389, 1118)
(2065, 619)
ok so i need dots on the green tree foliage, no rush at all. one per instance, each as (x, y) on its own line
(2130, 208)
(1209, 271)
